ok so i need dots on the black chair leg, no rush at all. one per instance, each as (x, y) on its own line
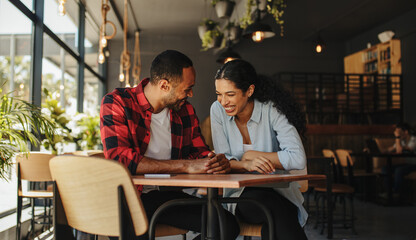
(352, 215)
(19, 217)
(323, 214)
(32, 220)
(247, 237)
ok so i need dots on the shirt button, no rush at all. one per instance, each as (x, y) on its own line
(147, 134)
(147, 115)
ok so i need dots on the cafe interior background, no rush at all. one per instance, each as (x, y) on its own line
(359, 84)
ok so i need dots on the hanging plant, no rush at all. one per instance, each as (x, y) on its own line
(206, 25)
(223, 8)
(275, 8)
(233, 31)
(212, 38)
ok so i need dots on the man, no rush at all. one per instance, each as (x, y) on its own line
(405, 142)
(153, 129)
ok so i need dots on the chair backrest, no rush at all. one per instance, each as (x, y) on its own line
(88, 188)
(34, 166)
(344, 157)
(329, 154)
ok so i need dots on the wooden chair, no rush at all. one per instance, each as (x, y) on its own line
(33, 167)
(339, 190)
(98, 197)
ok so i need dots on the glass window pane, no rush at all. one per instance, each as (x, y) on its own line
(92, 33)
(15, 63)
(59, 73)
(92, 94)
(66, 26)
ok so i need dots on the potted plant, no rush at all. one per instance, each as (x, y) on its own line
(233, 31)
(223, 8)
(206, 25)
(87, 131)
(57, 115)
(20, 122)
(212, 38)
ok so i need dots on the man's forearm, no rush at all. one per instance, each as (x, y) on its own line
(149, 165)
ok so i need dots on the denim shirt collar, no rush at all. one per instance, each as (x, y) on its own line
(255, 115)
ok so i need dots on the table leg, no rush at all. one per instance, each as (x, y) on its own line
(389, 181)
(212, 194)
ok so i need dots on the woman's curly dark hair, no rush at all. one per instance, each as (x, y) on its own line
(243, 74)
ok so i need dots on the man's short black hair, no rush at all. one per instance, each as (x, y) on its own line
(169, 65)
(404, 126)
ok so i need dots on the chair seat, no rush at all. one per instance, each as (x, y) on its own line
(336, 188)
(247, 229)
(167, 230)
(36, 194)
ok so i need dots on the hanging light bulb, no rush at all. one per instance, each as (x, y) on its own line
(22, 86)
(318, 48)
(103, 42)
(61, 8)
(101, 58)
(258, 36)
(320, 45)
(127, 84)
(121, 77)
(61, 87)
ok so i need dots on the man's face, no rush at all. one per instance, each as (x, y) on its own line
(179, 93)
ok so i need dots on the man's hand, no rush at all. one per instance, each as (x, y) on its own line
(218, 164)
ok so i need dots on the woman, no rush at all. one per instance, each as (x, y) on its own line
(256, 124)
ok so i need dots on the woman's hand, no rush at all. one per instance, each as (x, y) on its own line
(271, 156)
(259, 164)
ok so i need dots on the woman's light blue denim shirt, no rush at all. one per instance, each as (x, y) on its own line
(269, 131)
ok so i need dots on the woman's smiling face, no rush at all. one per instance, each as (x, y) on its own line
(233, 100)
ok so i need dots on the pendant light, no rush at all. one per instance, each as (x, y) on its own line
(320, 45)
(258, 31)
(228, 54)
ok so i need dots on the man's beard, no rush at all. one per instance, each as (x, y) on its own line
(173, 103)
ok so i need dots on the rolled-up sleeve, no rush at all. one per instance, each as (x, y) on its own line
(291, 154)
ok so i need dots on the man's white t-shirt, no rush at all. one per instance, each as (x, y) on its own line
(160, 144)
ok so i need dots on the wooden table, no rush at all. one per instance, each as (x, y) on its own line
(213, 183)
(389, 167)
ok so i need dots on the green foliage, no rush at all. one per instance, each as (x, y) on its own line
(274, 8)
(209, 38)
(20, 122)
(211, 24)
(89, 136)
(57, 115)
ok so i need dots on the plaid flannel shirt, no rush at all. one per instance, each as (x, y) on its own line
(125, 117)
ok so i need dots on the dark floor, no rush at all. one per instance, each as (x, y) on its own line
(374, 221)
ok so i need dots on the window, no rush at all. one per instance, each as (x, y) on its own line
(15, 67)
(61, 62)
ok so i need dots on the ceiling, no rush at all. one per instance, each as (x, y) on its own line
(336, 20)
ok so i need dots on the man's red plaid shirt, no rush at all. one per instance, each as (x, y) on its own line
(125, 118)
